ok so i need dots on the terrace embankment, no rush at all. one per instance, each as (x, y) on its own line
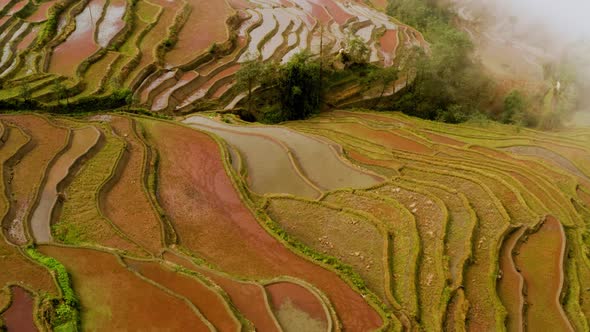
(125, 201)
(541, 262)
(249, 298)
(114, 298)
(81, 142)
(27, 170)
(510, 283)
(15, 267)
(213, 222)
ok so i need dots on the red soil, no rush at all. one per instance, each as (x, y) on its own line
(205, 26)
(48, 140)
(247, 297)
(26, 42)
(114, 299)
(389, 42)
(212, 221)
(17, 7)
(374, 162)
(63, 60)
(367, 116)
(19, 316)
(282, 292)
(320, 14)
(540, 260)
(206, 300)
(42, 11)
(443, 139)
(126, 204)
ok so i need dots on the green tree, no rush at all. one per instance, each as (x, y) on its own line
(356, 50)
(514, 108)
(298, 87)
(25, 92)
(383, 78)
(250, 75)
(61, 92)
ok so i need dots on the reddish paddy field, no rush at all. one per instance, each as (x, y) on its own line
(112, 22)
(63, 60)
(26, 42)
(41, 13)
(19, 316)
(112, 298)
(540, 260)
(247, 297)
(281, 293)
(126, 203)
(213, 222)
(211, 305)
(510, 287)
(339, 15)
(389, 42)
(205, 26)
(47, 140)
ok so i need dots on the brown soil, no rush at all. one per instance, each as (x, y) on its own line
(19, 316)
(212, 221)
(126, 203)
(29, 170)
(510, 286)
(585, 197)
(540, 260)
(282, 292)
(211, 305)
(247, 297)
(113, 298)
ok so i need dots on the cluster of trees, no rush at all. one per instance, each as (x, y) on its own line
(446, 83)
(290, 91)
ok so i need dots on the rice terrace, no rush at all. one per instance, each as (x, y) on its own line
(289, 165)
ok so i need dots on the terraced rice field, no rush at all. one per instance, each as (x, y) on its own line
(137, 45)
(350, 221)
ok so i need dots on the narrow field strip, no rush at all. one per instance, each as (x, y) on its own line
(511, 283)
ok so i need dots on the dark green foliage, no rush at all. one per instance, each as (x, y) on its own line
(298, 86)
(445, 83)
(514, 107)
(66, 316)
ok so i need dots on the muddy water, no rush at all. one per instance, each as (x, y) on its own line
(389, 42)
(19, 316)
(63, 60)
(269, 168)
(541, 262)
(317, 160)
(161, 100)
(81, 141)
(112, 23)
(549, 156)
(281, 293)
(510, 286)
(213, 222)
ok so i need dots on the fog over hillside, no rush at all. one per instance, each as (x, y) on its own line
(542, 31)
